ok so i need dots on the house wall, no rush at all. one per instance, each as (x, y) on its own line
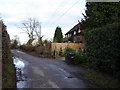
(55, 47)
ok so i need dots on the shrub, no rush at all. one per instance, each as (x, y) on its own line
(21, 47)
(27, 48)
(44, 50)
(67, 50)
(40, 50)
(80, 58)
(103, 48)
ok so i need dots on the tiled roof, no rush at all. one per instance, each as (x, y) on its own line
(76, 27)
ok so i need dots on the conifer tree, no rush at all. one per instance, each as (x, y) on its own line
(98, 14)
(58, 36)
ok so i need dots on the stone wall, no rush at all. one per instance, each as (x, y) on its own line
(57, 46)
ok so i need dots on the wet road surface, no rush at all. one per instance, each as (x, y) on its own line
(36, 72)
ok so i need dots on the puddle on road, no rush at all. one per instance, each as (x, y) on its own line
(19, 65)
(20, 84)
(20, 52)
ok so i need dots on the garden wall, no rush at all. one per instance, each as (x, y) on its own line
(56, 47)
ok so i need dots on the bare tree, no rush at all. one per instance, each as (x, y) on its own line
(40, 41)
(32, 27)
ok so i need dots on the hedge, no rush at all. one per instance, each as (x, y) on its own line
(27, 48)
(80, 57)
(68, 50)
(103, 49)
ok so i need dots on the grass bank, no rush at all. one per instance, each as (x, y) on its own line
(9, 76)
(101, 79)
(8, 70)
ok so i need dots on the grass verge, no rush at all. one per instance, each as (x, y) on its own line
(9, 79)
(100, 79)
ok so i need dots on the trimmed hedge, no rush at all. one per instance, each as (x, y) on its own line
(103, 49)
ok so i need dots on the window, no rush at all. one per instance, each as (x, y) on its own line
(74, 32)
(79, 31)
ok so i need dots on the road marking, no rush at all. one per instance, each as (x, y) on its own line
(64, 72)
(38, 71)
(53, 84)
(45, 67)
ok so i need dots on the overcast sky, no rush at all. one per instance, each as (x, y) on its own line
(51, 13)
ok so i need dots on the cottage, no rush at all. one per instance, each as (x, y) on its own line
(75, 35)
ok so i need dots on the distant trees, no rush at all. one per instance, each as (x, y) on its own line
(100, 13)
(58, 36)
(40, 41)
(32, 28)
(14, 44)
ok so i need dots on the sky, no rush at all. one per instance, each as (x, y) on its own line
(51, 13)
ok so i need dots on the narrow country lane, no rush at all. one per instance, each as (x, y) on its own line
(47, 73)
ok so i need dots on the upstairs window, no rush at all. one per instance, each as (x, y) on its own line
(79, 31)
(74, 32)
